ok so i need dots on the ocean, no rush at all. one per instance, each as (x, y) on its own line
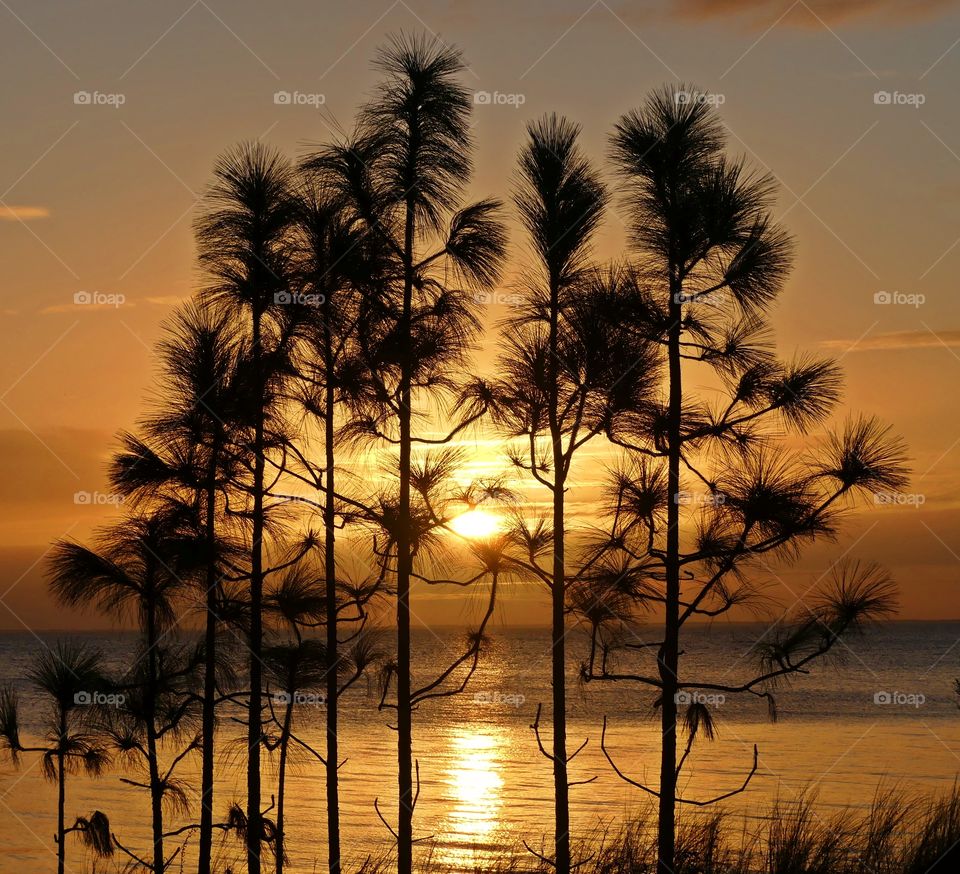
(884, 713)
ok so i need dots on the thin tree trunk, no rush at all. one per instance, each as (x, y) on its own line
(560, 780)
(561, 786)
(669, 653)
(153, 765)
(61, 799)
(404, 569)
(205, 850)
(333, 656)
(255, 642)
(282, 777)
(156, 800)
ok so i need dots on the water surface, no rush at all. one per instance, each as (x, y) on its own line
(888, 713)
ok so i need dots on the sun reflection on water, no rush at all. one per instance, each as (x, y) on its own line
(474, 783)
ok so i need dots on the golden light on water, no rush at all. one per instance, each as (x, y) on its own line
(476, 523)
(474, 784)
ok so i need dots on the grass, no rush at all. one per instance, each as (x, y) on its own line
(898, 834)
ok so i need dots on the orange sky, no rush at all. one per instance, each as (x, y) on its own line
(97, 196)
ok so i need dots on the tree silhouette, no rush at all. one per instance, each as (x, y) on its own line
(69, 676)
(404, 174)
(709, 265)
(157, 711)
(244, 245)
(561, 381)
(293, 669)
(334, 262)
(298, 669)
(293, 666)
(188, 456)
(341, 303)
(138, 566)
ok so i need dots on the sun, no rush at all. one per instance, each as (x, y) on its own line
(476, 523)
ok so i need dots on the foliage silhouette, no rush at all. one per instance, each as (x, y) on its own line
(708, 265)
(68, 677)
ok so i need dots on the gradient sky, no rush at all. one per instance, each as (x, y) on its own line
(98, 198)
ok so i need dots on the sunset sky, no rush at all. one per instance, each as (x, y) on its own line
(114, 113)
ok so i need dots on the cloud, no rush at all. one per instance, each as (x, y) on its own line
(22, 213)
(750, 15)
(95, 301)
(810, 13)
(78, 309)
(898, 340)
(167, 300)
(89, 300)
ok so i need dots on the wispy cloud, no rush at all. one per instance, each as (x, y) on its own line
(898, 340)
(23, 213)
(805, 13)
(95, 301)
(79, 310)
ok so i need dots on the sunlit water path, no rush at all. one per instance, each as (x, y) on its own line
(484, 785)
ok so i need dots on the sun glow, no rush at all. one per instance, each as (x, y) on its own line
(476, 523)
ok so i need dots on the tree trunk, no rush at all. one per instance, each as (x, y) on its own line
(156, 801)
(153, 764)
(560, 780)
(404, 569)
(561, 786)
(255, 642)
(205, 850)
(333, 656)
(61, 799)
(669, 653)
(282, 777)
